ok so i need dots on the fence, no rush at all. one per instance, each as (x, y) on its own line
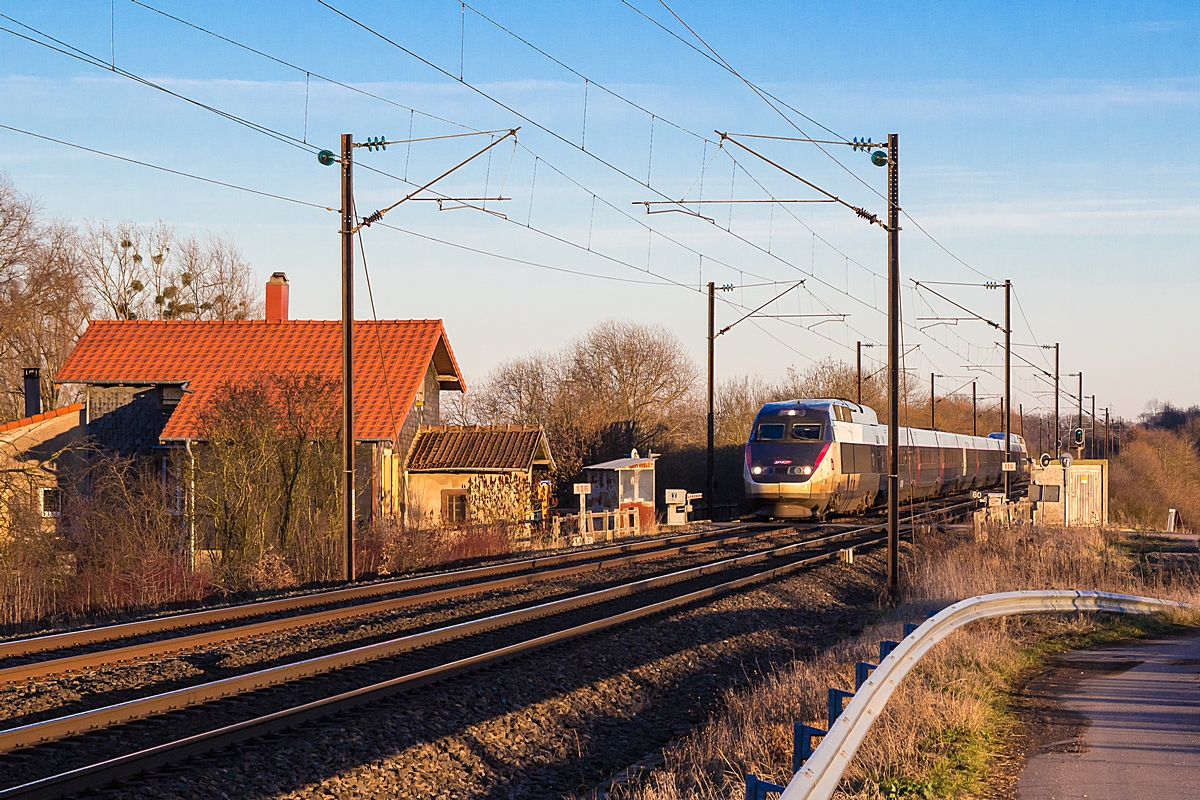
(605, 525)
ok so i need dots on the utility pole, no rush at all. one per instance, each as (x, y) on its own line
(1007, 381)
(932, 404)
(1107, 435)
(1092, 440)
(348, 356)
(974, 411)
(1021, 417)
(1057, 430)
(1079, 453)
(893, 250)
(858, 349)
(710, 481)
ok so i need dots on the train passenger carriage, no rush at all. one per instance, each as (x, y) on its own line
(811, 458)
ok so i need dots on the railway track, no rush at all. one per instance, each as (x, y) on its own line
(641, 598)
(237, 622)
(237, 613)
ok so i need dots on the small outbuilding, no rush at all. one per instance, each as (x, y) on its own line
(624, 484)
(460, 474)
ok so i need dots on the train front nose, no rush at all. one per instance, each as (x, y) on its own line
(778, 477)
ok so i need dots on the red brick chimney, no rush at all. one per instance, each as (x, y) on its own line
(277, 298)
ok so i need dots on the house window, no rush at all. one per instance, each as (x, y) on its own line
(454, 506)
(51, 502)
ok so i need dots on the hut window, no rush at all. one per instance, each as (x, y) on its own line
(454, 507)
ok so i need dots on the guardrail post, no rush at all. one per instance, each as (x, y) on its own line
(802, 747)
(835, 703)
(862, 671)
(756, 788)
(909, 627)
(885, 647)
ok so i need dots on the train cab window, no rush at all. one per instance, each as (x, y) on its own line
(807, 430)
(771, 431)
(841, 414)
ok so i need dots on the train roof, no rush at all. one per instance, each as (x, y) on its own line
(862, 415)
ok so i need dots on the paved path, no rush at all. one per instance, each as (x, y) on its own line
(1142, 735)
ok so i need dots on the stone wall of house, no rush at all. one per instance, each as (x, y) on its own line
(429, 414)
(126, 420)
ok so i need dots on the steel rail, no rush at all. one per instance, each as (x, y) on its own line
(141, 708)
(125, 630)
(821, 773)
(133, 763)
(117, 655)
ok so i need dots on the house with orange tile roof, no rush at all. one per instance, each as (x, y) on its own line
(146, 384)
(39, 454)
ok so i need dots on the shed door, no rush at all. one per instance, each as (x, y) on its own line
(1085, 495)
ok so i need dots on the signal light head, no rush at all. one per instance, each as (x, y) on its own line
(879, 158)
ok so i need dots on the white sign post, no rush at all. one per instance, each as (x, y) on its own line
(583, 490)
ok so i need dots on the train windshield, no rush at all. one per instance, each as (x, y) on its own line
(807, 430)
(771, 431)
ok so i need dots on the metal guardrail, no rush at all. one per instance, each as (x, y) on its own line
(820, 773)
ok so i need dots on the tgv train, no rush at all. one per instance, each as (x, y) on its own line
(810, 458)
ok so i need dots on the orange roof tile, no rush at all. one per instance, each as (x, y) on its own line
(207, 354)
(478, 448)
(45, 415)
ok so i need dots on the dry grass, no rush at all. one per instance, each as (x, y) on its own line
(948, 718)
(1157, 470)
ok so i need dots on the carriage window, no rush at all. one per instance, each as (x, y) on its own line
(806, 431)
(770, 432)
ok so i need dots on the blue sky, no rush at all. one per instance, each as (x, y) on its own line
(1046, 144)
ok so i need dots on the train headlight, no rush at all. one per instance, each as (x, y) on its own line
(808, 470)
(756, 470)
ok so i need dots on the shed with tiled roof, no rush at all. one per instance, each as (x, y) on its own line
(458, 474)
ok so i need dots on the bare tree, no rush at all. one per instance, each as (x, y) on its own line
(520, 391)
(621, 385)
(637, 375)
(207, 279)
(43, 302)
(266, 479)
(124, 266)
